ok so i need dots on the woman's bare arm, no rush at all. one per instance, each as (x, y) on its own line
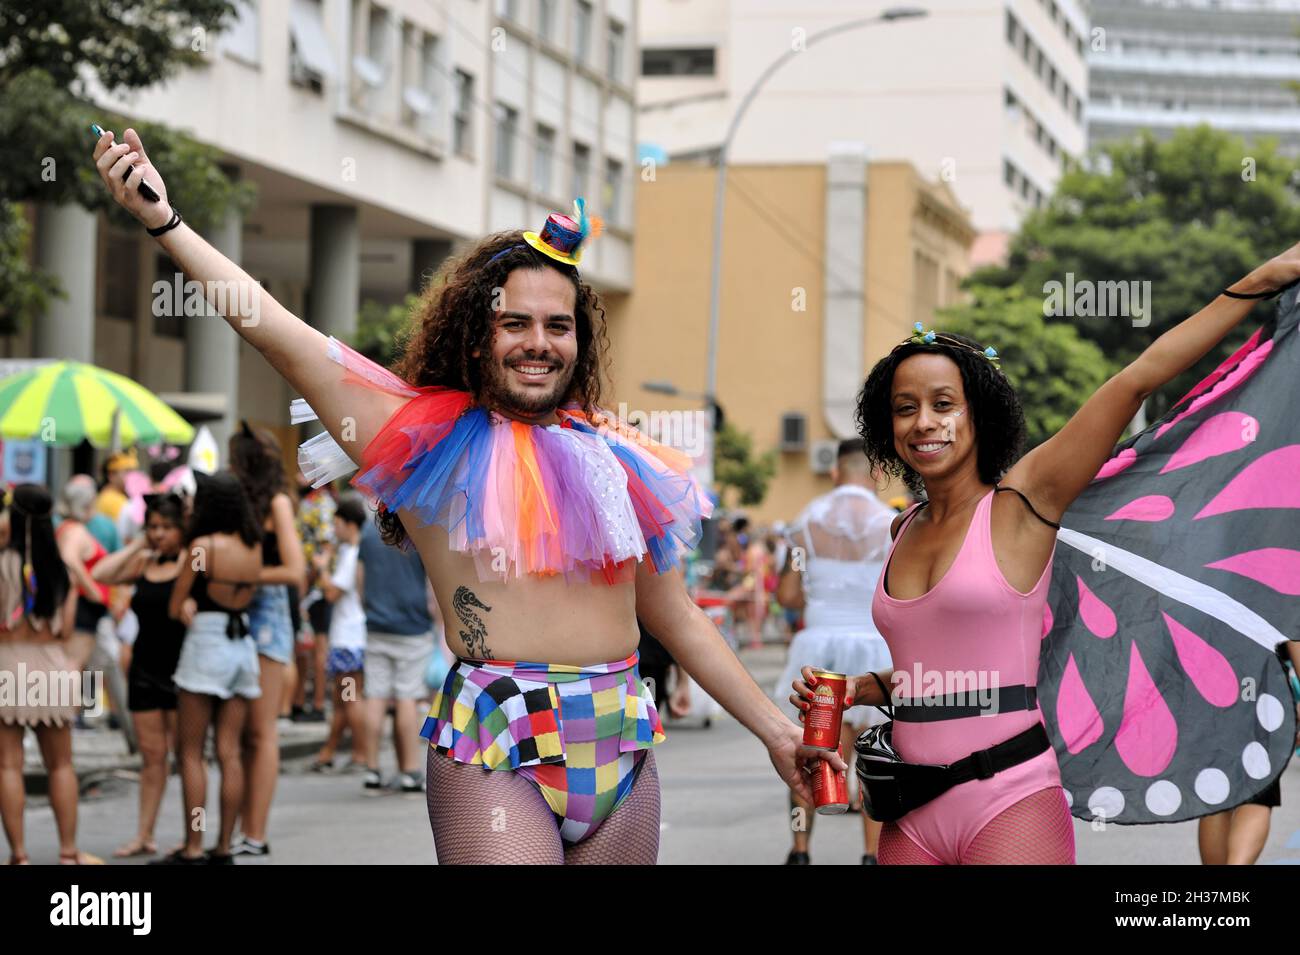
(123, 566)
(352, 414)
(192, 556)
(1058, 470)
(69, 544)
(293, 565)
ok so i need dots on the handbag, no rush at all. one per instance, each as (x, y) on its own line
(892, 787)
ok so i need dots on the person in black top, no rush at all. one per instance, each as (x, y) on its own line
(151, 562)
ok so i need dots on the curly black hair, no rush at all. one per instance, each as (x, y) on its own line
(221, 506)
(996, 414)
(453, 319)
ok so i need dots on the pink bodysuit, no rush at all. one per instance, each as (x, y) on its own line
(971, 620)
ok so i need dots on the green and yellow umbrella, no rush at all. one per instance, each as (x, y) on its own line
(66, 401)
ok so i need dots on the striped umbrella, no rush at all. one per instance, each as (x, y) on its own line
(66, 401)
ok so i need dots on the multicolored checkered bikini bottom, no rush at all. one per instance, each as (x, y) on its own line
(576, 733)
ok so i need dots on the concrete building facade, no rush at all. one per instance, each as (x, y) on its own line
(1175, 63)
(987, 95)
(825, 268)
(380, 135)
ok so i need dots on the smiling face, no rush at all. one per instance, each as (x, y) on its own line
(934, 434)
(534, 344)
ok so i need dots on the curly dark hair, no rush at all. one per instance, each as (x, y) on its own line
(996, 415)
(255, 459)
(453, 319)
(222, 507)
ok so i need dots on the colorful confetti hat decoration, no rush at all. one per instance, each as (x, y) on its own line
(563, 236)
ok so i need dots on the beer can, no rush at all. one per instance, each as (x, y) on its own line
(830, 789)
(821, 721)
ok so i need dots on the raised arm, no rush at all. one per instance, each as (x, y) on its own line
(1058, 470)
(351, 413)
(124, 565)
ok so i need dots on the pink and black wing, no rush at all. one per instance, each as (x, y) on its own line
(1176, 578)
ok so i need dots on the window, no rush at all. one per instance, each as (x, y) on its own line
(311, 58)
(370, 64)
(544, 160)
(168, 306)
(420, 80)
(506, 131)
(677, 62)
(582, 31)
(462, 130)
(612, 200)
(1008, 173)
(581, 170)
(614, 52)
(242, 40)
(509, 9)
(546, 20)
(1013, 29)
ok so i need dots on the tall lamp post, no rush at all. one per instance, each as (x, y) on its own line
(720, 189)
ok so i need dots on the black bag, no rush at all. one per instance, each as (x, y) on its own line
(891, 788)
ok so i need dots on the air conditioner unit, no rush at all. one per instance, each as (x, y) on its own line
(794, 431)
(822, 455)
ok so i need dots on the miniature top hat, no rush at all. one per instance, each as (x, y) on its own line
(562, 236)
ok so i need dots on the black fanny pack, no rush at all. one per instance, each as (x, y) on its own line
(891, 788)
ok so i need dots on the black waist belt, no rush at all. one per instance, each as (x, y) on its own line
(985, 763)
(1006, 699)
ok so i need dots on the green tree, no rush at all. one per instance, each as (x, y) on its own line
(382, 330)
(1051, 365)
(1189, 214)
(48, 51)
(735, 466)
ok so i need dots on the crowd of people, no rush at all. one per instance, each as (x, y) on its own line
(222, 605)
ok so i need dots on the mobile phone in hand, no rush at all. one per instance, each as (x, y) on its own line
(144, 188)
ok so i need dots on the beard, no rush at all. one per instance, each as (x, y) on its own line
(500, 392)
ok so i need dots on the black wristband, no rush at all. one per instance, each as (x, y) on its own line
(171, 224)
(1259, 295)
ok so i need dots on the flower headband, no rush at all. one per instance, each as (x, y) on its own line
(562, 236)
(922, 337)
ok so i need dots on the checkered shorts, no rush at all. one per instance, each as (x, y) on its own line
(576, 733)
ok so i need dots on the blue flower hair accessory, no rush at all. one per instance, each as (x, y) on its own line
(920, 336)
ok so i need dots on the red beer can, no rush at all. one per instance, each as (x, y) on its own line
(821, 721)
(830, 789)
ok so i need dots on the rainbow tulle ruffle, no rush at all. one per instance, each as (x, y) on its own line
(588, 497)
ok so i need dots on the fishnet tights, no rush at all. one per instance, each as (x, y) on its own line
(1037, 830)
(483, 817)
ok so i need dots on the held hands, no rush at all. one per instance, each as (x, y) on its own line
(792, 760)
(113, 162)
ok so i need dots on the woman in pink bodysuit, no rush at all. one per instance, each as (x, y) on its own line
(961, 599)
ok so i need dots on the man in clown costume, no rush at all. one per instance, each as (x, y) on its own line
(547, 528)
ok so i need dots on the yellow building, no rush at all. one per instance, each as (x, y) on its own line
(825, 268)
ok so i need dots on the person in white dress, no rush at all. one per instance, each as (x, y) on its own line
(837, 549)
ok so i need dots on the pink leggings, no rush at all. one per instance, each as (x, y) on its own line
(1037, 830)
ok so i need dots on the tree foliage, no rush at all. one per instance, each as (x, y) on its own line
(736, 467)
(1190, 214)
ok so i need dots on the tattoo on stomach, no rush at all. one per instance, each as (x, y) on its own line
(474, 636)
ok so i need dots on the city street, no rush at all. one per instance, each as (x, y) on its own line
(721, 804)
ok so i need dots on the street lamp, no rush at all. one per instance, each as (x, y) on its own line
(720, 190)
